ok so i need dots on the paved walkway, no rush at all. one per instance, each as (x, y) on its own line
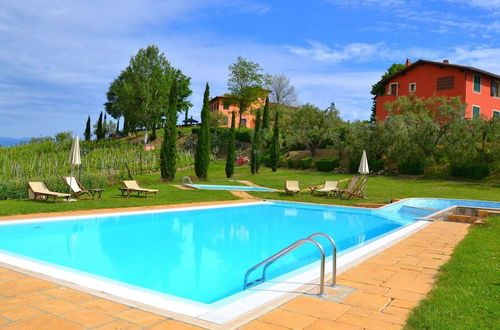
(387, 286)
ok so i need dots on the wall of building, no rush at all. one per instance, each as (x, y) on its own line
(425, 76)
(217, 104)
(484, 100)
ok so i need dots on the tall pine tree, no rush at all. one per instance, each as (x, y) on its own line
(231, 147)
(275, 144)
(168, 154)
(254, 156)
(265, 116)
(202, 155)
(87, 133)
(99, 132)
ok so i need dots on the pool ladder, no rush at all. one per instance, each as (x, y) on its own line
(269, 261)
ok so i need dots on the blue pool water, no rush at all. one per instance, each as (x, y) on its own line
(198, 254)
(226, 187)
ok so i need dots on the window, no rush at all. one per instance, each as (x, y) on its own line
(496, 113)
(477, 83)
(444, 83)
(494, 88)
(393, 89)
(226, 106)
(243, 122)
(412, 87)
(476, 110)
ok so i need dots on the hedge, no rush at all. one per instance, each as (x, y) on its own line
(327, 164)
(306, 163)
(470, 170)
(412, 167)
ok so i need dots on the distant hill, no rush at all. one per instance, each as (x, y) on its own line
(8, 141)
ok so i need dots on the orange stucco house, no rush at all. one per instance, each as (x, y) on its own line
(248, 119)
(479, 89)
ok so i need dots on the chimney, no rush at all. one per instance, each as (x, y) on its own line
(408, 62)
(446, 62)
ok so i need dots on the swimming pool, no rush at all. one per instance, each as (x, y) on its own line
(228, 187)
(193, 260)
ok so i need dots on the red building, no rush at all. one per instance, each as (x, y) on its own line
(479, 89)
(217, 104)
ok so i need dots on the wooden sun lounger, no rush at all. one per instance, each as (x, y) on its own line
(292, 187)
(349, 188)
(131, 186)
(357, 191)
(75, 186)
(39, 191)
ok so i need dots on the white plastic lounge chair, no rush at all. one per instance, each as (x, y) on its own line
(292, 187)
(330, 187)
(39, 191)
(132, 186)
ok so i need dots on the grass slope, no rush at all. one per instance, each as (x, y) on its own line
(467, 293)
(379, 189)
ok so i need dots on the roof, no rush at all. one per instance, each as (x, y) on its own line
(442, 64)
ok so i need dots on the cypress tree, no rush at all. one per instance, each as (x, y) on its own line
(104, 127)
(202, 155)
(98, 132)
(117, 132)
(275, 144)
(254, 157)
(87, 133)
(265, 116)
(231, 148)
(168, 154)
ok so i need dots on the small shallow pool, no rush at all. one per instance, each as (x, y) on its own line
(228, 187)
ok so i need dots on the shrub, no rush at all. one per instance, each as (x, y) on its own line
(470, 170)
(266, 160)
(305, 163)
(327, 164)
(244, 135)
(290, 162)
(376, 165)
(413, 167)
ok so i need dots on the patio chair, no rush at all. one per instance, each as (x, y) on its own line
(132, 186)
(39, 191)
(349, 188)
(75, 186)
(292, 187)
(328, 188)
(356, 192)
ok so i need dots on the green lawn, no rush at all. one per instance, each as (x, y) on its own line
(379, 189)
(467, 293)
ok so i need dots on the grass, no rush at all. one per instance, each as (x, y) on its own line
(467, 293)
(379, 190)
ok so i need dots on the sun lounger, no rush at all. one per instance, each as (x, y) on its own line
(292, 187)
(39, 191)
(356, 191)
(75, 186)
(349, 188)
(330, 187)
(131, 186)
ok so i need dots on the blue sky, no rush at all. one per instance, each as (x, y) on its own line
(57, 58)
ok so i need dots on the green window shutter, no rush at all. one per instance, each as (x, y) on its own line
(475, 111)
(496, 114)
(477, 83)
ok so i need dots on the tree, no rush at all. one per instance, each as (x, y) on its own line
(311, 127)
(99, 131)
(144, 88)
(231, 148)
(87, 133)
(245, 84)
(265, 115)
(117, 132)
(378, 89)
(168, 154)
(254, 156)
(202, 154)
(275, 144)
(282, 91)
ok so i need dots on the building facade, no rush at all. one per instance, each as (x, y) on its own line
(217, 104)
(477, 88)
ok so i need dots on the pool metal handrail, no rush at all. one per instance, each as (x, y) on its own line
(267, 262)
(334, 255)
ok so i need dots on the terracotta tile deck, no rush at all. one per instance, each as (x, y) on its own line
(387, 286)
